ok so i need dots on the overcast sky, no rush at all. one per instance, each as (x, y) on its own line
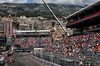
(72, 2)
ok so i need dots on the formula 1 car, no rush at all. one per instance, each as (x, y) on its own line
(11, 60)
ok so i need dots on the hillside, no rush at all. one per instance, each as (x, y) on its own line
(36, 9)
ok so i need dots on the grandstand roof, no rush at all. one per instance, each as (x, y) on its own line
(86, 21)
(25, 31)
(83, 9)
(34, 33)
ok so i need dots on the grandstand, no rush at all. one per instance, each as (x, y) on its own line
(82, 49)
(34, 38)
(86, 19)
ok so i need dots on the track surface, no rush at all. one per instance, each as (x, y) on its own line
(23, 59)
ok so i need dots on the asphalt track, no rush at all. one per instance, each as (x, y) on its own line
(23, 59)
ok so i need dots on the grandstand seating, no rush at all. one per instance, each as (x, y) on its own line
(32, 41)
(78, 48)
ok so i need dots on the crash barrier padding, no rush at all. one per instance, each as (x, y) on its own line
(45, 62)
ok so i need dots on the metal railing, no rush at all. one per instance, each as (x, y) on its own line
(64, 60)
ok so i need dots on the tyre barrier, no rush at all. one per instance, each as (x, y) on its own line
(44, 61)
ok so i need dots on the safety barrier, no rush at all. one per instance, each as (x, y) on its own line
(63, 60)
(45, 62)
(21, 50)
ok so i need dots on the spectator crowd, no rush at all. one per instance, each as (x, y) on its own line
(32, 41)
(79, 45)
(75, 44)
(83, 47)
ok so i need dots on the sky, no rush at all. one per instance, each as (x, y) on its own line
(68, 2)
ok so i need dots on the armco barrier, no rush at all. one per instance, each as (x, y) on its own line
(45, 62)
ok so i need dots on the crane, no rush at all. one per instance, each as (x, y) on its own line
(55, 17)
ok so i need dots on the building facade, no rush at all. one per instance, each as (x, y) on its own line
(1, 27)
(10, 25)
